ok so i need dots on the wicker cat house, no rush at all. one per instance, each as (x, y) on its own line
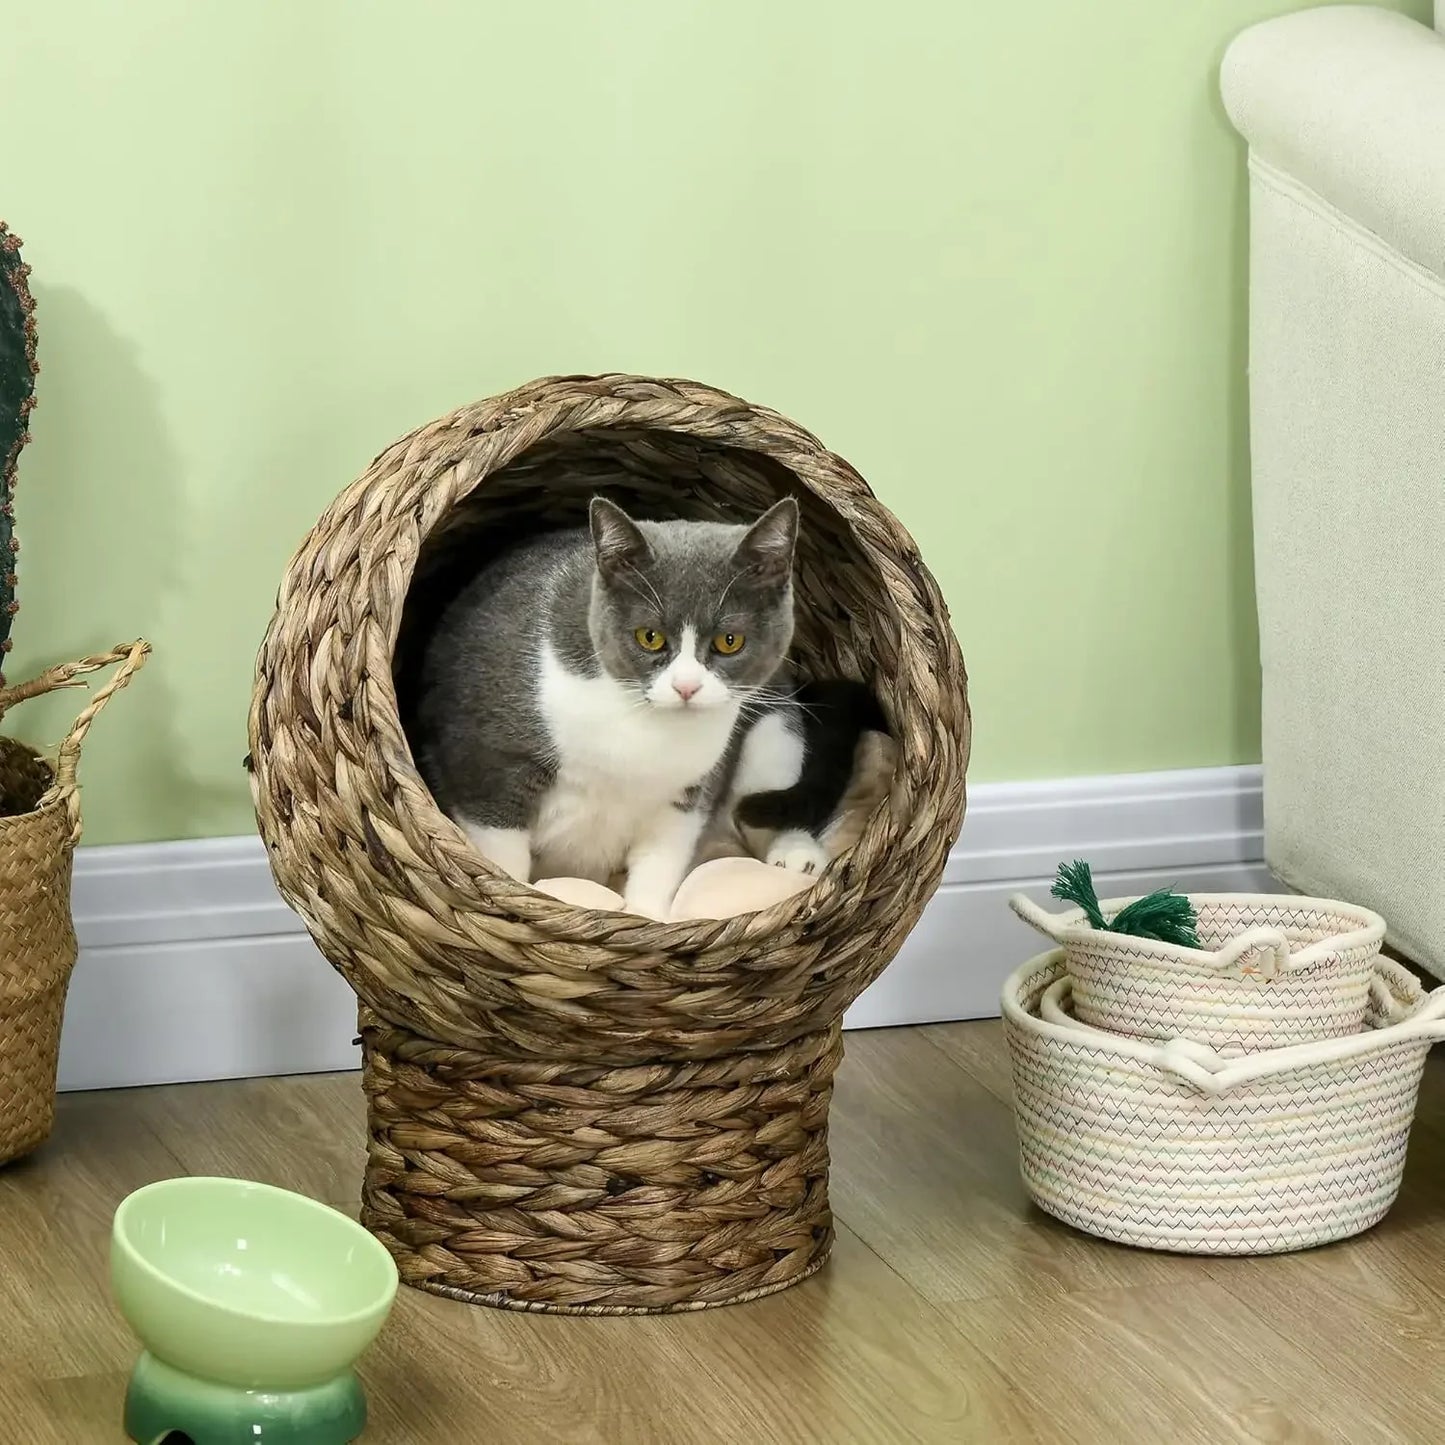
(569, 1110)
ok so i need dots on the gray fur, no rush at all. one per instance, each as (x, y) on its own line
(482, 743)
(712, 576)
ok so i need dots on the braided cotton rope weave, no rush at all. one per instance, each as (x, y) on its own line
(1273, 971)
(575, 1110)
(1174, 1147)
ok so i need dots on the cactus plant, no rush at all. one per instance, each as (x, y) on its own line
(17, 396)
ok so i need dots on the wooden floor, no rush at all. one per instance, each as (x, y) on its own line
(951, 1311)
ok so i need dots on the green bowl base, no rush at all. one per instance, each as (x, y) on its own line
(163, 1402)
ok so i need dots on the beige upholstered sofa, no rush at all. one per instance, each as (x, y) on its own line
(1344, 112)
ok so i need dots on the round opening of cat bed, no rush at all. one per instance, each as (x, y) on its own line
(841, 632)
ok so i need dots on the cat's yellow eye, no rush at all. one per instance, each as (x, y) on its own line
(649, 639)
(728, 643)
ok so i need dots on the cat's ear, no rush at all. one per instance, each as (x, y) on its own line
(766, 549)
(620, 545)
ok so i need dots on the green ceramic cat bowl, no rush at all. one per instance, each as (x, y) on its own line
(252, 1303)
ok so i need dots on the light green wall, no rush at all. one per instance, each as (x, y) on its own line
(992, 254)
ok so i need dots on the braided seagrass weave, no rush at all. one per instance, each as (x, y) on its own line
(39, 827)
(570, 1109)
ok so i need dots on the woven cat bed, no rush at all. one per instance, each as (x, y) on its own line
(570, 1110)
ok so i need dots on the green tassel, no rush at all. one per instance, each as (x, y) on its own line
(1075, 884)
(1165, 916)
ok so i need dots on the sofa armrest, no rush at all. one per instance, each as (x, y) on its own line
(1350, 102)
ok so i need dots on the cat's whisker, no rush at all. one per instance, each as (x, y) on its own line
(649, 596)
(736, 577)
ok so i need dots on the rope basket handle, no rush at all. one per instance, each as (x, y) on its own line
(1210, 1072)
(1395, 993)
(131, 656)
(1261, 952)
(1051, 925)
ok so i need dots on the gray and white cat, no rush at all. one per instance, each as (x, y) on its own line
(593, 698)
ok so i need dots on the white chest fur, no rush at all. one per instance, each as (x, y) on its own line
(619, 761)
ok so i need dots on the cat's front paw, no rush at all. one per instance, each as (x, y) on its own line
(646, 903)
(801, 852)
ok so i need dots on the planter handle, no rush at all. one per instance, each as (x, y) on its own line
(131, 656)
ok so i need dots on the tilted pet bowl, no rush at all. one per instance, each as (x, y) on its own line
(1175, 1147)
(1273, 970)
(252, 1304)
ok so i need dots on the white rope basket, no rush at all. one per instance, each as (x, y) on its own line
(1274, 970)
(1175, 1147)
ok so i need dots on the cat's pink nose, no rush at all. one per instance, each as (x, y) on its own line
(686, 690)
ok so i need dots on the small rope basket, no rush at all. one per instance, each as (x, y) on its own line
(1273, 971)
(39, 828)
(1174, 1147)
(573, 1110)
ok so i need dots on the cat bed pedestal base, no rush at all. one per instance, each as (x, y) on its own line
(582, 1189)
(163, 1402)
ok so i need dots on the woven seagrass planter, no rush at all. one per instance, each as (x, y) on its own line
(39, 828)
(568, 1110)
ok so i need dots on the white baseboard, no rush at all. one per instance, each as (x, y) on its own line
(191, 967)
